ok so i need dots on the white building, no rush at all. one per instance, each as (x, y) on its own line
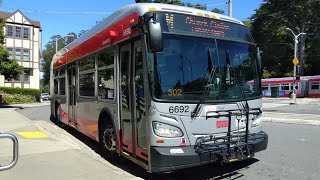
(23, 41)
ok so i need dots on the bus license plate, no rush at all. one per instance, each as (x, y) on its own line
(222, 124)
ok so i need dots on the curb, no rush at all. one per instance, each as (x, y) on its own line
(291, 121)
(20, 106)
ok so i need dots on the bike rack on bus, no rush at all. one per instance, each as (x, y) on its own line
(210, 143)
(15, 151)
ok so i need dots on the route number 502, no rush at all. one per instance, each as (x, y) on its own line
(178, 109)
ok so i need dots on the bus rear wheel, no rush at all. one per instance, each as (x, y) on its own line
(108, 141)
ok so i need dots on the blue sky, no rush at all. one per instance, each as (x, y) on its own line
(59, 17)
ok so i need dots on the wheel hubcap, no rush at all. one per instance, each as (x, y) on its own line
(109, 139)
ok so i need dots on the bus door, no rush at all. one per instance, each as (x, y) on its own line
(72, 94)
(132, 100)
(125, 99)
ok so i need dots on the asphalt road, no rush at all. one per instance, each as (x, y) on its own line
(293, 153)
(276, 106)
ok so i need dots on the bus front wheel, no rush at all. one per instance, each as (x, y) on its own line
(108, 141)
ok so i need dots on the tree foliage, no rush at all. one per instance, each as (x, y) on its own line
(269, 25)
(9, 68)
(216, 10)
(50, 50)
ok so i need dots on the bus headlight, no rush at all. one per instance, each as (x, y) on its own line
(165, 130)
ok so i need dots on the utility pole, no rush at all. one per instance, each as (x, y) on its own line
(296, 41)
(230, 8)
(301, 50)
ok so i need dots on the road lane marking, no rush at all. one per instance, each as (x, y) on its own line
(291, 114)
(35, 134)
(271, 105)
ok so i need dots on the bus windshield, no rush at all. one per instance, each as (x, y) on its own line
(190, 67)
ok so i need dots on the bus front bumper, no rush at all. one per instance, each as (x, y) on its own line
(166, 159)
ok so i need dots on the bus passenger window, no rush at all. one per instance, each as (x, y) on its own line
(106, 83)
(106, 58)
(315, 85)
(86, 84)
(62, 86)
(55, 86)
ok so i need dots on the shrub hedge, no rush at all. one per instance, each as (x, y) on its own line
(28, 92)
(17, 98)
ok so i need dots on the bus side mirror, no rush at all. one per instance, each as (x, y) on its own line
(155, 42)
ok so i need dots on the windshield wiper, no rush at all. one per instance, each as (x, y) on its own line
(212, 70)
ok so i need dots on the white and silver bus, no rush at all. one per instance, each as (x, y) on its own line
(164, 86)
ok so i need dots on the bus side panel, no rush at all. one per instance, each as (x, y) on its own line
(87, 117)
(64, 109)
(314, 88)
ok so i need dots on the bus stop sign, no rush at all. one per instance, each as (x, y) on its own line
(295, 61)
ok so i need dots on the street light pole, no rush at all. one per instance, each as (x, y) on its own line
(296, 41)
(230, 8)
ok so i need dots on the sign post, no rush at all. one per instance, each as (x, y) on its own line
(295, 62)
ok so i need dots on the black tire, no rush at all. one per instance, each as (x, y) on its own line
(108, 141)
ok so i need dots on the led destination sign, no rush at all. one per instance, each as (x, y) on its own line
(178, 23)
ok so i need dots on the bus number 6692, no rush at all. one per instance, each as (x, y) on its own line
(178, 109)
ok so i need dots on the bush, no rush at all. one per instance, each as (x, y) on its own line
(34, 93)
(17, 98)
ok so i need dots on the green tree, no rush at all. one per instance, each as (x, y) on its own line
(50, 50)
(268, 27)
(9, 68)
(216, 10)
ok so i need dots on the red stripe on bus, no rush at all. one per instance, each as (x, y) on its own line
(278, 81)
(140, 153)
(315, 80)
(314, 95)
(102, 39)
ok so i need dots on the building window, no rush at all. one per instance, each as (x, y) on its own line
(26, 32)
(10, 50)
(18, 32)
(27, 74)
(18, 54)
(9, 31)
(26, 54)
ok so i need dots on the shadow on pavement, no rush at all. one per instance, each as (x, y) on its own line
(3, 105)
(206, 172)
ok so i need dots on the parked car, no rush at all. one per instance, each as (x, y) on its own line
(45, 96)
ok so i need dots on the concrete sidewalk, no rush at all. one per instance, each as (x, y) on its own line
(285, 100)
(291, 118)
(49, 152)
